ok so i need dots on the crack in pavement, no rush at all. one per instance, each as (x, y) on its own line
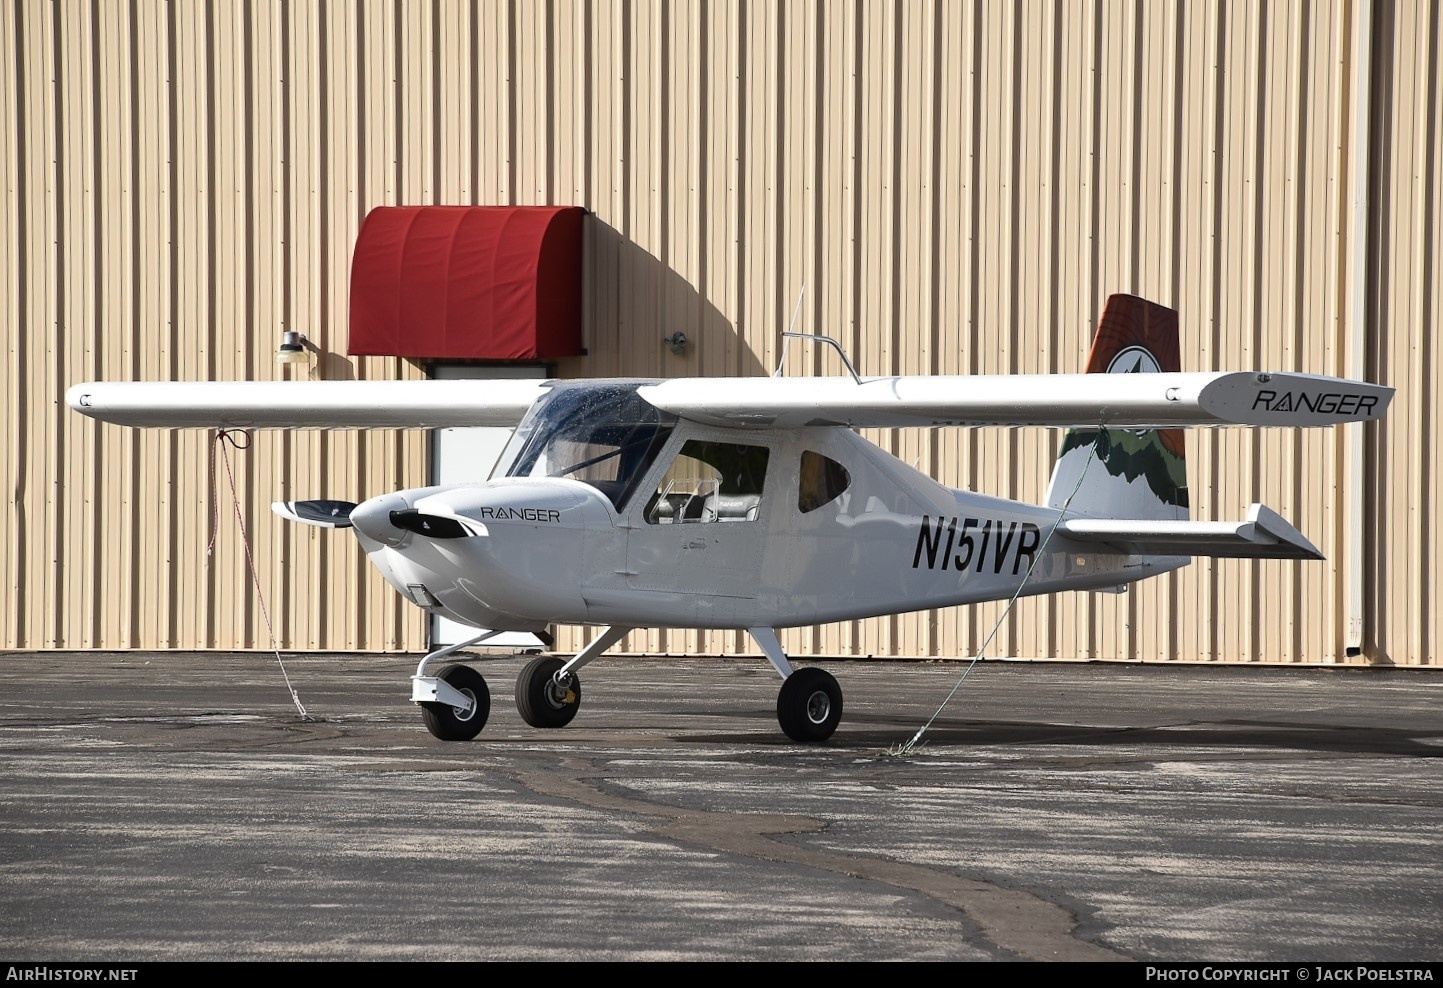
(1018, 922)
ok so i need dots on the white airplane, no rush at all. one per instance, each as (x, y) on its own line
(752, 504)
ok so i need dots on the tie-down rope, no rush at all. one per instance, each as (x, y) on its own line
(232, 437)
(907, 749)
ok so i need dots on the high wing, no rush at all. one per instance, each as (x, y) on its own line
(1134, 401)
(307, 404)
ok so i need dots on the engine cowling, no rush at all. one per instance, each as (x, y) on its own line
(510, 554)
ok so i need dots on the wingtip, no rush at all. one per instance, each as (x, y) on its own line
(77, 396)
(1279, 529)
(1292, 399)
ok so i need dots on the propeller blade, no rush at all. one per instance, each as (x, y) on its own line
(321, 513)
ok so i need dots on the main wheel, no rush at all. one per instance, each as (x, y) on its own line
(809, 705)
(540, 701)
(456, 723)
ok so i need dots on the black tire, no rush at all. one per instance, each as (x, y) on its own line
(540, 701)
(809, 705)
(444, 720)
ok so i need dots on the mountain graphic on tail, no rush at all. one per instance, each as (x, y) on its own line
(1139, 473)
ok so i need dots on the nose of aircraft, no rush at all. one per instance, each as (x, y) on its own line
(506, 555)
(373, 519)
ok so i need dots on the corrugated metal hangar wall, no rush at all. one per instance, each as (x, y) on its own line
(958, 186)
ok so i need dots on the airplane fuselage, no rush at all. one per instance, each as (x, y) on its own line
(555, 549)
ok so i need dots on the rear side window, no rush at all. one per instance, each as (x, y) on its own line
(823, 480)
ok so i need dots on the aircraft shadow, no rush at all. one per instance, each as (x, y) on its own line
(1244, 736)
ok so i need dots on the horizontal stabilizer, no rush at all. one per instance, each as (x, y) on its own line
(1265, 535)
(1132, 401)
(306, 404)
(322, 514)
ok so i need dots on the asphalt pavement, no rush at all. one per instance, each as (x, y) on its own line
(176, 806)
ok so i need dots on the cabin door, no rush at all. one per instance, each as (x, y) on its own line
(698, 530)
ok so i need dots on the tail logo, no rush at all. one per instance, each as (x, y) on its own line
(1134, 360)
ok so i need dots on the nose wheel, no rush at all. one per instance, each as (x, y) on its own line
(541, 700)
(809, 705)
(459, 722)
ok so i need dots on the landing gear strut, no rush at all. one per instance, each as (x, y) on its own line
(456, 702)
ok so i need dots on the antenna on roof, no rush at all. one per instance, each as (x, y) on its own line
(782, 360)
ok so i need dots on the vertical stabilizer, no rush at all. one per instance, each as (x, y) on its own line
(1138, 474)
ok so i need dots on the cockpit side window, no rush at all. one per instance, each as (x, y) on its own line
(710, 482)
(822, 481)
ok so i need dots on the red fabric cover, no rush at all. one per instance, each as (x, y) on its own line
(467, 282)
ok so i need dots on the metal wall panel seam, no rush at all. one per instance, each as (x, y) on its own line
(33, 275)
(73, 550)
(1424, 85)
(1433, 215)
(13, 261)
(29, 308)
(1395, 509)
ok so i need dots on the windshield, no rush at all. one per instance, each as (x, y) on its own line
(602, 434)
